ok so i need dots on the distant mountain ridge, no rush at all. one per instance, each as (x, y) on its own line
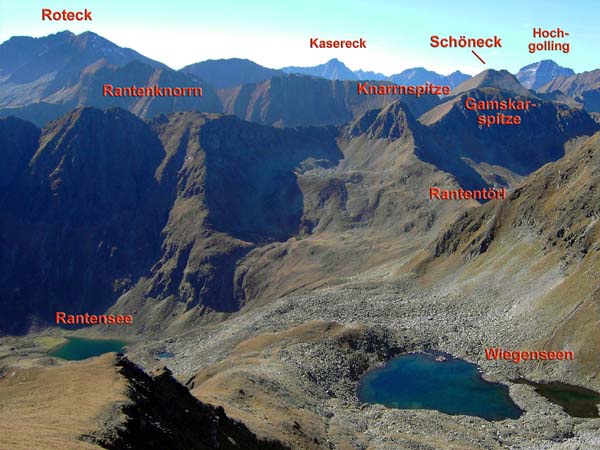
(43, 78)
(86, 89)
(368, 75)
(334, 69)
(31, 69)
(536, 75)
(583, 87)
(226, 73)
(420, 75)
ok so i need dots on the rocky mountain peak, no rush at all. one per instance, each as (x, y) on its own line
(490, 78)
(536, 75)
(390, 122)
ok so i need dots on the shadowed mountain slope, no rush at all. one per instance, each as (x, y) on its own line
(108, 201)
(237, 188)
(83, 217)
(19, 143)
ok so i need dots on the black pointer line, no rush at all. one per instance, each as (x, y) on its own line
(478, 57)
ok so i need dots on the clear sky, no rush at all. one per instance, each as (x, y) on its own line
(277, 33)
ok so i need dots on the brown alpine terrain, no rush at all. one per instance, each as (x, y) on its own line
(556, 211)
(517, 274)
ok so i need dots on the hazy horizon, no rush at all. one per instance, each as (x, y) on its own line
(277, 35)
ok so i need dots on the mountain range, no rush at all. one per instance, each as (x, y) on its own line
(43, 78)
(173, 174)
(337, 70)
(275, 239)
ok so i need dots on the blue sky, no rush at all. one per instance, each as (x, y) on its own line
(277, 33)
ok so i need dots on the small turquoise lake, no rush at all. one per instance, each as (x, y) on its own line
(76, 349)
(451, 386)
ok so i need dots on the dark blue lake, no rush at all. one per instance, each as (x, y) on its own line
(76, 349)
(453, 386)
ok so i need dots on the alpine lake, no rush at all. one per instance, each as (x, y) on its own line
(76, 349)
(438, 381)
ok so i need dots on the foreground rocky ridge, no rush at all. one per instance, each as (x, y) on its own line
(111, 403)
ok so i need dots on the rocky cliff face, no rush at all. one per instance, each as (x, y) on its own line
(161, 414)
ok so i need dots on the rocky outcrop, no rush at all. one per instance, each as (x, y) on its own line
(162, 414)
